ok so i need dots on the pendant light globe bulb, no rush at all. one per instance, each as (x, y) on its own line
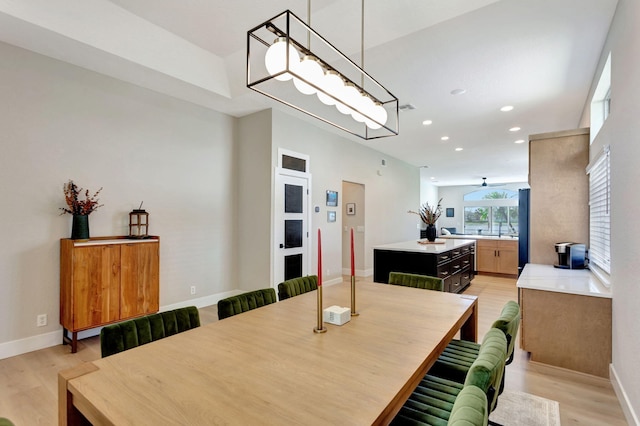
(331, 84)
(276, 59)
(310, 70)
(379, 114)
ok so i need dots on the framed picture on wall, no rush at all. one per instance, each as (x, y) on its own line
(351, 208)
(450, 211)
(332, 198)
(331, 216)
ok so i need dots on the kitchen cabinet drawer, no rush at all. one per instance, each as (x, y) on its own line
(456, 283)
(444, 270)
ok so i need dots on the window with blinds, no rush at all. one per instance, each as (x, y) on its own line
(600, 211)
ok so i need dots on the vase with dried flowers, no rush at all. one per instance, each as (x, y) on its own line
(429, 216)
(79, 209)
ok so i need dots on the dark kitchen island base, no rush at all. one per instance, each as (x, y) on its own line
(452, 260)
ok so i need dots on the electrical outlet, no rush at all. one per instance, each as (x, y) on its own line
(328, 271)
(41, 320)
(193, 289)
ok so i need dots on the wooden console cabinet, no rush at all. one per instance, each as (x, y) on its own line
(452, 261)
(106, 280)
(498, 256)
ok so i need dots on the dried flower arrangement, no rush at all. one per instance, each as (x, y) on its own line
(77, 206)
(428, 214)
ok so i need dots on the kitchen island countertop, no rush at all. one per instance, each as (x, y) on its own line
(439, 246)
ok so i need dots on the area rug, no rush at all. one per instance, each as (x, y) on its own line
(523, 409)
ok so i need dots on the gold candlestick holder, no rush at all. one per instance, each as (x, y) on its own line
(320, 328)
(354, 313)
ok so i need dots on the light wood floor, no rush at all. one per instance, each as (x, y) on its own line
(29, 394)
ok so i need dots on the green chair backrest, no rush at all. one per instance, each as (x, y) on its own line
(487, 370)
(470, 408)
(418, 281)
(509, 323)
(5, 422)
(297, 286)
(245, 302)
(126, 335)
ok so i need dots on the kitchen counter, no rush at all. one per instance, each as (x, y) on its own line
(570, 281)
(480, 237)
(441, 245)
(566, 318)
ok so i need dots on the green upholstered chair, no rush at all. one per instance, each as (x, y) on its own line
(433, 400)
(418, 281)
(468, 409)
(129, 334)
(245, 302)
(456, 359)
(297, 286)
(5, 422)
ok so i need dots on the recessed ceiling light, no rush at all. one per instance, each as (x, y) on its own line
(432, 178)
(444, 138)
(427, 122)
(458, 149)
(514, 129)
(458, 91)
(506, 108)
(519, 141)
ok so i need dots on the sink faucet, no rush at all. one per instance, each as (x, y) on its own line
(499, 229)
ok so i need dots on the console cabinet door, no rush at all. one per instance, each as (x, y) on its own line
(96, 285)
(139, 281)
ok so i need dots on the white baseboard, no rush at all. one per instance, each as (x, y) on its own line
(623, 398)
(28, 344)
(54, 338)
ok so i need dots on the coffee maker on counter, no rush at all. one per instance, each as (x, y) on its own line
(571, 256)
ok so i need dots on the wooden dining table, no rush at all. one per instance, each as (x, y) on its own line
(267, 366)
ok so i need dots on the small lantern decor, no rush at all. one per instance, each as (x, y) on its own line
(139, 223)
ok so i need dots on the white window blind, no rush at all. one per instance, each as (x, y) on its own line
(599, 211)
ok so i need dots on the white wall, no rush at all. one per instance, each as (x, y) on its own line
(389, 194)
(62, 122)
(622, 132)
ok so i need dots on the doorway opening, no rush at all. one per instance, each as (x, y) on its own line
(353, 217)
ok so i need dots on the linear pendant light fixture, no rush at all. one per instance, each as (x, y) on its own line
(291, 63)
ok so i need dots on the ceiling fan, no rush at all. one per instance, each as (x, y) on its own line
(485, 184)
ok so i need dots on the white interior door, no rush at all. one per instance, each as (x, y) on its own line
(291, 226)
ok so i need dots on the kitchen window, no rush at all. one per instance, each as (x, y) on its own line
(491, 212)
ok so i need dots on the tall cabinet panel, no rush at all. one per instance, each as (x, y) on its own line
(559, 197)
(106, 280)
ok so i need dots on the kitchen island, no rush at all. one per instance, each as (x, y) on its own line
(566, 318)
(449, 259)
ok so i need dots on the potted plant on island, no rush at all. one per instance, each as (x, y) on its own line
(80, 209)
(429, 216)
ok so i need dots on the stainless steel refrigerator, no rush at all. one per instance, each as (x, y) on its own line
(523, 228)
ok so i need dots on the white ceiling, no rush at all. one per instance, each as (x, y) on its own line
(538, 55)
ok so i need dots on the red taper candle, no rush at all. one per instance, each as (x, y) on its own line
(353, 259)
(319, 259)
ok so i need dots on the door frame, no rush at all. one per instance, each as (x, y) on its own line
(280, 171)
